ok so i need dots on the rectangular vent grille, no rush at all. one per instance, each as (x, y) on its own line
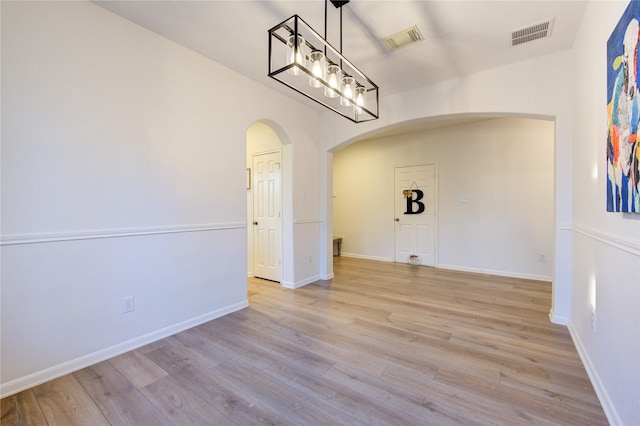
(534, 32)
(403, 38)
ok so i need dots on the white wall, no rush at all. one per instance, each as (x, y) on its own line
(503, 166)
(307, 219)
(123, 174)
(606, 260)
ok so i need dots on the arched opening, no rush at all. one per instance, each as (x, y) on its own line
(269, 229)
(499, 168)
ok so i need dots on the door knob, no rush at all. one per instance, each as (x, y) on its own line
(397, 219)
(255, 222)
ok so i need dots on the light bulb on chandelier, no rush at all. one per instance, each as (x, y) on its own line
(316, 61)
(347, 90)
(296, 53)
(332, 79)
(360, 99)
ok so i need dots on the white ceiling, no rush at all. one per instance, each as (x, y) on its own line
(461, 37)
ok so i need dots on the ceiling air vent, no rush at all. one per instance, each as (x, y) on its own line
(531, 33)
(403, 38)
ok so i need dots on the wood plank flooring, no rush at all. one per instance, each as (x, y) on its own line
(380, 344)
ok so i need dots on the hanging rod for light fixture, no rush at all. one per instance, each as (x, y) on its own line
(306, 62)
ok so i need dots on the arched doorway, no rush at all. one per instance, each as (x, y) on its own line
(494, 198)
(269, 230)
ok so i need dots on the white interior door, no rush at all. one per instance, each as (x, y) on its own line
(267, 216)
(415, 214)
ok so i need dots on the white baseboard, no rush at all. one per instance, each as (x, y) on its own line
(496, 272)
(557, 319)
(601, 392)
(363, 256)
(298, 284)
(51, 373)
(327, 276)
(462, 268)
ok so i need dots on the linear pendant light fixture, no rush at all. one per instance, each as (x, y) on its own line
(304, 61)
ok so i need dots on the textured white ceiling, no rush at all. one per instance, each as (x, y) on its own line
(461, 37)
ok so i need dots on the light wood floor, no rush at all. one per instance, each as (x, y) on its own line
(380, 344)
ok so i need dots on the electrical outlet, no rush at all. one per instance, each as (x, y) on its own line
(593, 320)
(127, 304)
(542, 257)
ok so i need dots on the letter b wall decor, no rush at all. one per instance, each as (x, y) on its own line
(411, 202)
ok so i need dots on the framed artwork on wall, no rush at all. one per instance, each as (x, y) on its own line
(623, 101)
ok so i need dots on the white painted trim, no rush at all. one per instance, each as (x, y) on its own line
(268, 151)
(557, 319)
(288, 284)
(598, 386)
(462, 268)
(68, 367)
(308, 220)
(115, 233)
(496, 272)
(362, 256)
(624, 244)
(298, 284)
(327, 277)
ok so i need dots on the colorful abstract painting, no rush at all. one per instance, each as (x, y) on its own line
(623, 98)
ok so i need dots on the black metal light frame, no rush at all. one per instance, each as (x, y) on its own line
(278, 67)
